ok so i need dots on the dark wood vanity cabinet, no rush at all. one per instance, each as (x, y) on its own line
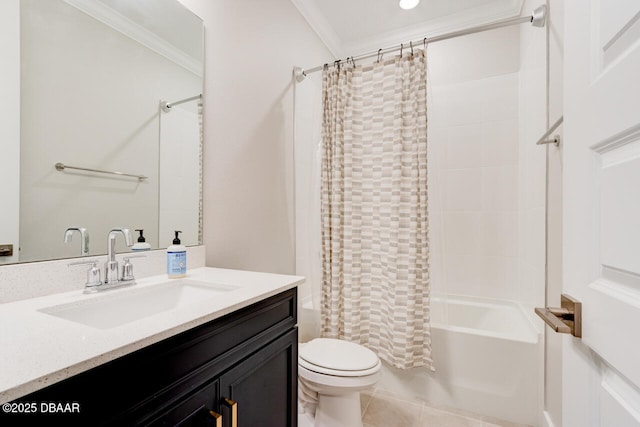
(242, 366)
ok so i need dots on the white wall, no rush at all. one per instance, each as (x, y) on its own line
(251, 49)
(10, 125)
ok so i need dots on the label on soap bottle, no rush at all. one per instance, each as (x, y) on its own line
(176, 263)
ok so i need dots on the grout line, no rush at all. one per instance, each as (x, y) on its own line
(366, 406)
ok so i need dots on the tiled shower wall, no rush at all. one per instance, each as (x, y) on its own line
(473, 187)
(486, 174)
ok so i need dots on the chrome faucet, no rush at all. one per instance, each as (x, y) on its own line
(111, 266)
(111, 278)
(84, 238)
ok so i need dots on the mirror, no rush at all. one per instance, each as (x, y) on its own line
(93, 75)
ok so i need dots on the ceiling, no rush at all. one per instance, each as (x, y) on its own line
(353, 27)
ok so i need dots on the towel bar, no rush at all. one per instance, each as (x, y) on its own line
(62, 166)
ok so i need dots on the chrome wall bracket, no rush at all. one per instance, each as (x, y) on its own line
(567, 319)
(555, 140)
(539, 16)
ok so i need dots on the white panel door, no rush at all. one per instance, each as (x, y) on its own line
(601, 202)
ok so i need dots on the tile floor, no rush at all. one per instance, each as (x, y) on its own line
(381, 409)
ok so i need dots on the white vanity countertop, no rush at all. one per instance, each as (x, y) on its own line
(38, 349)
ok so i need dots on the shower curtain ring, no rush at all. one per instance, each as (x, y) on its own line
(379, 55)
(411, 44)
(401, 47)
(424, 43)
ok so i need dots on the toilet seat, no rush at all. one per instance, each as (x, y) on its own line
(339, 358)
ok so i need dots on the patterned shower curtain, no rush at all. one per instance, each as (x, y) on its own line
(375, 248)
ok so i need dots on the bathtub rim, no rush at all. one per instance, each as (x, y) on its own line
(533, 333)
(526, 312)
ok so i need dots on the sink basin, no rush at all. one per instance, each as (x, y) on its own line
(111, 310)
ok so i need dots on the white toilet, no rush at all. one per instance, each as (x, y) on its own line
(337, 371)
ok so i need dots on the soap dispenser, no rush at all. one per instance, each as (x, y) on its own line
(142, 244)
(176, 259)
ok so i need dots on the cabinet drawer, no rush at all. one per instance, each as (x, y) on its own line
(252, 326)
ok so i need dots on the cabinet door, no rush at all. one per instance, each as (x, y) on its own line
(264, 386)
(194, 410)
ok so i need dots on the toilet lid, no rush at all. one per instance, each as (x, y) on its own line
(338, 355)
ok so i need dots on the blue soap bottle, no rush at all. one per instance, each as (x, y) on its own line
(176, 259)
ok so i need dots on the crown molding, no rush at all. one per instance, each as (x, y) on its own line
(344, 48)
(127, 27)
(318, 23)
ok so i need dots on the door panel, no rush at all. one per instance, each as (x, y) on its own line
(265, 385)
(601, 202)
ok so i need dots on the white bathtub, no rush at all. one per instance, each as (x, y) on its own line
(484, 317)
(488, 360)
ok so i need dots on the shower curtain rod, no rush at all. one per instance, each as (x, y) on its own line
(166, 106)
(537, 19)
